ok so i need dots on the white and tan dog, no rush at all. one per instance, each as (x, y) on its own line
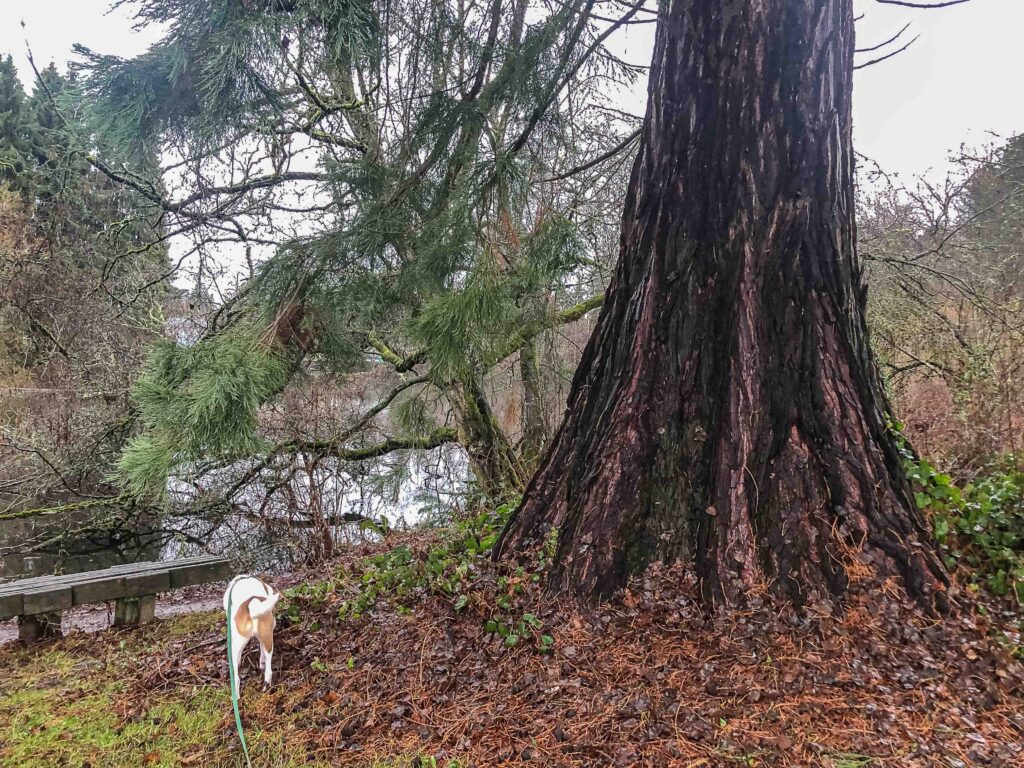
(252, 603)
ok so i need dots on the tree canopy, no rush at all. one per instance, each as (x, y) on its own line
(74, 313)
(412, 180)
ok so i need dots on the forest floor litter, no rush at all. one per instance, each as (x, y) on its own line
(647, 679)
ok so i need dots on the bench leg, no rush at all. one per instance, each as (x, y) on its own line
(132, 611)
(39, 626)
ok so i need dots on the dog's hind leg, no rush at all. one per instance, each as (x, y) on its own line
(238, 644)
(268, 671)
(265, 635)
(266, 657)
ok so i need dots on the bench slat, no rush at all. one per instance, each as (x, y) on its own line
(174, 576)
(44, 594)
(20, 585)
(45, 600)
(98, 590)
(11, 605)
(139, 584)
(199, 573)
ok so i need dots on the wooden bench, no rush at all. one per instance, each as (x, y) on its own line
(38, 602)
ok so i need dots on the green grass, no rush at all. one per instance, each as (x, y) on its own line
(71, 704)
(76, 703)
(43, 728)
(851, 760)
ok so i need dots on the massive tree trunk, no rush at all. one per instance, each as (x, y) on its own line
(728, 408)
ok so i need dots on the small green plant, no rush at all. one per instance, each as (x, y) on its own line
(550, 548)
(979, 526)
(451, 568)
(447, 568)
(516, 630)
(985, 531)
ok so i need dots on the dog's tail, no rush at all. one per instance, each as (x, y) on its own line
(261, 606)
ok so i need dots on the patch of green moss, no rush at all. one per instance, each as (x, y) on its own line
(192, 623)
(76, 703)
(68, 704)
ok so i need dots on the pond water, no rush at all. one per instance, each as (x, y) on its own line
(315, 515)
(28, 547)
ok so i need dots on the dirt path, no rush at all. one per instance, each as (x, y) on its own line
(93, 618)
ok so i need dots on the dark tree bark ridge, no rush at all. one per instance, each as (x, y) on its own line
(727, 407)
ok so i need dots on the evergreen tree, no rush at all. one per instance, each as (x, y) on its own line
(73, 316)
(397, 166)
(13, 144)
(728, 408)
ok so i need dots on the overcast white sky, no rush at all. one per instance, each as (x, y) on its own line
(909, 112)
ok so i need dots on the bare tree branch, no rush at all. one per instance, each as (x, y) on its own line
(892, 39)
(435, 439)
(906, 4)
(880, 59)
(598, 160)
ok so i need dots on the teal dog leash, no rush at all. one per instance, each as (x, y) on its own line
(232, 675)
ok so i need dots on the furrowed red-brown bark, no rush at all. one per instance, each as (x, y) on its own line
(727, 407)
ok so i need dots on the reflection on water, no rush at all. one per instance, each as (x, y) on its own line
(273, 522)
(316, 506)
(37, 546)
